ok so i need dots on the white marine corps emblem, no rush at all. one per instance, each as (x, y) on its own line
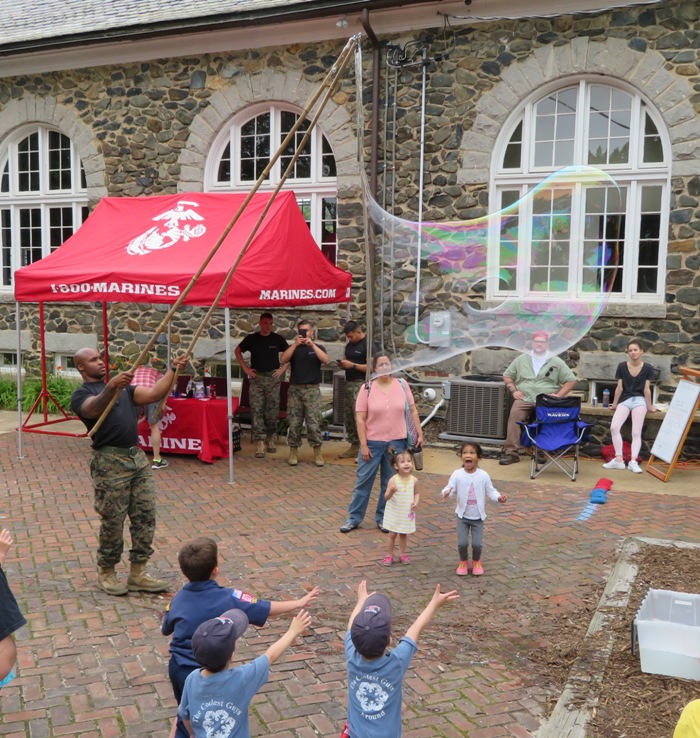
(169, 232)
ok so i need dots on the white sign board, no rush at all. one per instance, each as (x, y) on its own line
(678, 416)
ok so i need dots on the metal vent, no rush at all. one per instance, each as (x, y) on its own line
(478, 408)
(339, 398)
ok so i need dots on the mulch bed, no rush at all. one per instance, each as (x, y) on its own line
(630, 703)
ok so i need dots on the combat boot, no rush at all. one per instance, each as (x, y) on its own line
(293, 459)
(318, 456)
(350, 452)
(108, 581)
(141, 581)
(260, 451)
(270, 443)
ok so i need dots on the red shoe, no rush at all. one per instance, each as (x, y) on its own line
(463, 569)
(477, 569)
(388, 560)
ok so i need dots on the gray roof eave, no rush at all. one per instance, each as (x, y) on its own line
(241, 19)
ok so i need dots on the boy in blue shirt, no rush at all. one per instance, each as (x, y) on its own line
(375, 678)
(202, 598)
(216, 698)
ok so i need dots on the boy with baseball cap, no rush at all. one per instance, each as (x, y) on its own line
(216, 697)
(375, 678)
(203, 598)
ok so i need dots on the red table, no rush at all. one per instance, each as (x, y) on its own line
(192, 427)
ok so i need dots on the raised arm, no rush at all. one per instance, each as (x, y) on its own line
(301, 622)
(362, 595)
(282, 606)
(438, 600)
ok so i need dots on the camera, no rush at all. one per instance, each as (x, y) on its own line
(302, 332)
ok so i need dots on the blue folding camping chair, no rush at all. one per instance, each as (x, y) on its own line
(557, 431)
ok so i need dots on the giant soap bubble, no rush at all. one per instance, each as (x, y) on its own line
(465, 296)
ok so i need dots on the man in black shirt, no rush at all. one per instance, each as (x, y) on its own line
(264, 372)
(306, 358)
(355, 365)
(121, 473)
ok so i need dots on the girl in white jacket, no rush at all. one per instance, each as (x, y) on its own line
(471, 485)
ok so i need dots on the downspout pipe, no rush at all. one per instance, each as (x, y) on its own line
(371, 254)
(374, 124)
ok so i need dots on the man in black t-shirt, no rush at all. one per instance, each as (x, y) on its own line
(121, 473)
(355, 365)
(264, 372)
(306, 358)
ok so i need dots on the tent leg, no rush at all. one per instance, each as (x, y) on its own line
(229, 399)
(18, 323)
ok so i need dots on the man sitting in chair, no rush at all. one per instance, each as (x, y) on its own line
(528, 376)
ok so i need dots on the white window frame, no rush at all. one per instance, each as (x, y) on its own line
(312, 189)
(43, 199)
(631, 176)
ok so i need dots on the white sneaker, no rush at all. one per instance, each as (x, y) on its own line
(633, 466)
(613, 464)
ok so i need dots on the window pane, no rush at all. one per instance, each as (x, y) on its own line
(329, 228)
(653, 150)
(223, 172)
(328, 168)
(6, 236)
(255, 147)
(28, 163)
(5, 179)
(30, 235)
(604, 232)
(59, 159)
(609, 119)
(302, 166)
(513, 156)
(555, 125)
(60, 226)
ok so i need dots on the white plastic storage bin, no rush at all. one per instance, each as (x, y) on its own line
(668, 631)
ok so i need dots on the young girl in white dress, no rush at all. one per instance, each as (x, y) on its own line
(401, 501)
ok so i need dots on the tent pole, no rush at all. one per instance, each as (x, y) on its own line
(105, 338)
(329, 81)
(229, 398)
(290, 168)
(18, 323)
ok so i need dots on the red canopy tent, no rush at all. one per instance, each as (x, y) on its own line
(146, 250)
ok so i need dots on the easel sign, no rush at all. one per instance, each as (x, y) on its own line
(676, 425)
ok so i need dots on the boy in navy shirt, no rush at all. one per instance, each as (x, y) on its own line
(201, 599)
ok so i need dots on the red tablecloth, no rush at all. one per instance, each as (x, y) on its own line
(192, 427)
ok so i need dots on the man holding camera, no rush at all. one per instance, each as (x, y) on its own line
(304, 402)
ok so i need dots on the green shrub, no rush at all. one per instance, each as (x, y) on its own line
(60, 387)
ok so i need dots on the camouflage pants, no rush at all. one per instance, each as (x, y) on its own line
(351, 391)
(264, 405)
(124, 486)
(304, 405)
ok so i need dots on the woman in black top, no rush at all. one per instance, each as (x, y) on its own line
(632, 397)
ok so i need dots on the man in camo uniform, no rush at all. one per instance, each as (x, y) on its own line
(304, 402)
(121, 473)
(355, 366)
(264, 372)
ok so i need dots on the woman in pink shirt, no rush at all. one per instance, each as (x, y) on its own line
(380, 411)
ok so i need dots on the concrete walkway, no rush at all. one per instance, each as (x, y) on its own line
(95, 666)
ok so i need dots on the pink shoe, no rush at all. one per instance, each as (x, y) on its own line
(388, 560)
(478, 569)
(405, 559)
(463, 569)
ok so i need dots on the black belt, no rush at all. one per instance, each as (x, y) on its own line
(130, 451)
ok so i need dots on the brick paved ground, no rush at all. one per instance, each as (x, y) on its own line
(94, 666)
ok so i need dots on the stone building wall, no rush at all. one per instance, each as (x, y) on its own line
(145, 129)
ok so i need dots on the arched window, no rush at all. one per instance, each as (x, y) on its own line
(242, 152)
(43, 197)
(613, 235)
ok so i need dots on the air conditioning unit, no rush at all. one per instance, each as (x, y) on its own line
(339, 398)
(478, 409)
